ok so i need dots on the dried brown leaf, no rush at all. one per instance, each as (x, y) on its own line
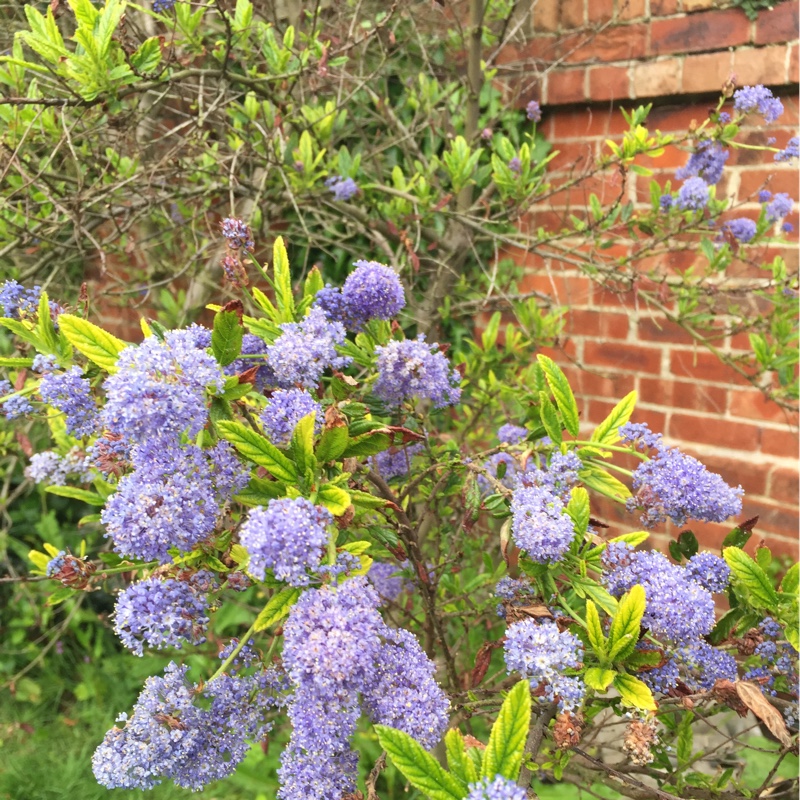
(754, 699)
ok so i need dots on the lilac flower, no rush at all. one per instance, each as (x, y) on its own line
(388, 580)
(238, 234)
(486, 134)
(742, 229)
(342, 188)
(414, 368)
(662, 678)
(160, 613)
(787, 227)
(56, 564)
(372, 291)
(792, 150)
(71, 394)
(676, 486)
(16, 405)
(332, 302)
(558, 477)
(497, 788)
(54, 469)
(285, 408)
(493, 466)
(287, 537)
(693, 195)
(707, 162)
(705, 665)
(540, 525)
(162, 6)
(665, 202)
(764, 196)
(245, 658)
(396, 462)
(304, 350)
(515, 165)
(758, 98)
(780, 207)
(512, 434)
(724, 118)
(533, 111)
(540, 652)
(710, 571)
(160, 388)
(16, 300)
(44, 364)
(513, 592)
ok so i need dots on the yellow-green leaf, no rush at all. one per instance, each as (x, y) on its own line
(560, 388)
(634, 692)
(283, 281)
(504, 753)
(594, 629)
(599, 679)
(601, 481)
(97, 345)
(457, 760)
(259, 450)
(749, 576)
(334, 498)
(277, 608)
(625, 626)
(607, 432)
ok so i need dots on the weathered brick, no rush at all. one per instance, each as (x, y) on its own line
(714, 431)
(778, 24)
(663, 8)
(591, 383)
(704, 366)
(779, 443)
(766, 65)
(631, 9)
(752, 404)
(566, 289)
(707, 72)
(614, 43)
(794, 64)
(777, 524)
(691, 6)
(600, 10)
(652, 329)
(545, 16)
(583, 123)
(565, 86)
(572, 156)
(584, 322)
(735, 471)
(573, 14)
(771, 177)
(657, 78)
(682, 394)
(708, 30)
(630, 357)
(609, 83)
(784, 486)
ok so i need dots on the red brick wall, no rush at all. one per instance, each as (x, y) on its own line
(676, 54)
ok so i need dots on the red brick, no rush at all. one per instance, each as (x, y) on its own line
(663, 8)
(709, 30)
(563, 353)
(778, 24)
(629, 357)
(595, 323)
(779, 443)
(767, 65)
(736, 471)
(609, 83)
(596, 410)
(600, 10)
(614, 43)
(580, 124)
(566, 289)
(682, 394)
(690, 6)
(565, 86)
(571, 156)
(719, 432)
(631, 9)
(573, 13)
(590, 383)
(707, 72)
(704, 366)
(657, 78)
(794, 64)
(752, 181)
(772, 519)
(651, 329)
(753, 404)
(784, 486)
(545, 16)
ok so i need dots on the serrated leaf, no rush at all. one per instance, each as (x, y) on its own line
(549, 417)
(578, 509)
(607, 432)
(749, 576)
(457, 760)
(332, 444)
(239, 554)
(506, 748)
(22, 330)
(365, 500)
(12, 362)
(634, 538)
(560, 389)
(259, 450)
(97, 345)
(602, 597)
(226, 338)
(599, 679)
(314, 282)
(45, 328)
(626, 624)
(790, 579)
(419, 767)
(302, 447)
(259, 492)
(334, 498)
(594, 629)
(60, 595)
(77, 494)
(283, 281)
(634, 692)
(147, 56)
(367, 445)
(685, 739)
(277, 608)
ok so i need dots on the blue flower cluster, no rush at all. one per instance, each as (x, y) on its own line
(512, 434)
(779, 205)
(760, 99)
(540, 652)
(693, 195)
(710, 571)
(706, 162)
(540, 524)
(742, 229)
(16, 406)
(285, 408)
(775, 658)
(343, 189)
(396, 463)
(54, 469)
(388, 580)
(792, 150)
(697, 665)
(16, 300)
(533, 111)
(71, 394)
(414, 368)
(676, 486)
(497, 788)
(288, 537)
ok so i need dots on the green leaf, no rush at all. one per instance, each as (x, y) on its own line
(457, 760)
(688, 543)
(560, 388)
(97, 345)
(790, 579)
(549, 416)
(419, 767)
(626, 625)
(365, 500)
(45, 329)
(60, 595)
(332, 444)
(367, 445)
(738, 537)
(22, 331)
(599, 679)
(726, 625)
(578, 509)
(506, 748)
(635, 692)
(334, 498)
(634, 538)
(685, 739)
(595, 630)
(277, 608)
(283, 281)
(12, 362)
(226, 338)
(607, 432)
(601, 596)
(314, 282)
(259, 450)
(604, 483)
(792, 634)
(148, 55)
(77, 494)
(302, 447)
(749, 576)
(259, 492)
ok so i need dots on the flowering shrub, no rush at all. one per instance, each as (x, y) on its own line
(343, 493)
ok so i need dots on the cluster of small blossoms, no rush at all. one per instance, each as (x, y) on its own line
(513, 592)
(238, 242)
(693, 195)
(792, 150)
(707, 162)
(371, 291)
(160, 613)
(710, 571)
(16, 300)
(44, 364)
(252, 345)
(540, 524)
(559, 476)
(69, 570)
(288, 537)
(71, 394)
(512, 434)
(342, 188)
(414, 368)
(15, 406)
(285, 408)
(304, 350)
(336, 648)
(776, 659)
(779, 205)
(497, 788)
(169, 736)
(679, 609)
(396, 463)
(742, 229)
(388, 580)
(502, 467)
(533, 111)
(162, 6)
(246, 657)
(758, 98)
(697, 665)
(537, 650)
(676, 486)
(52, 468)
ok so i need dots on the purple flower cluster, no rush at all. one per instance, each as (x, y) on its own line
(16, 406)
(540, 525)
(287, 537)
(676, 486)
(44, 364)
(285, 408)
(540, 652)
(533, 111)
(513, 592)
(706, 162)
(162, 6)
(54, 469)
(497, 788)
(304, 350)
(780, 206)
(512, 434)
(388, 580)
(515, 165)
(693, 195)
(337, 647)
(776, 659)
(343, 188)
(792, 150)
(238, 234)
(679, 609)
(758, 98)
(742, 229)
(710, 571)
(493, 466)
(414, 368)
(169, 736)
(697, 664)
(71, 394)
(396, 463)
(160, 613)
(16, 300)
(559, 476)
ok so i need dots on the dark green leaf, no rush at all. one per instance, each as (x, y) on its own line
(226, 338)
(749, 576)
